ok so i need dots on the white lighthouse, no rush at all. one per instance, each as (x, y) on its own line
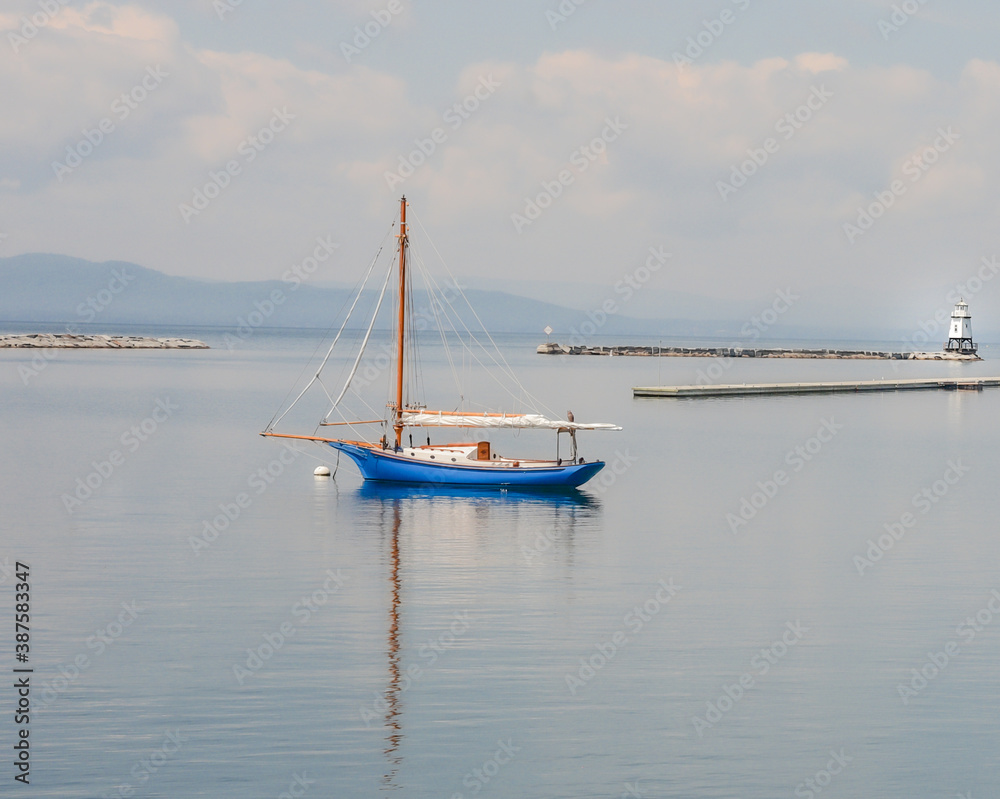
(960, 334)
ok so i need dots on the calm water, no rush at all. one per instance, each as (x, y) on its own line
(347, 641)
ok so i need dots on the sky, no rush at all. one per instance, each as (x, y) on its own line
(843, 150)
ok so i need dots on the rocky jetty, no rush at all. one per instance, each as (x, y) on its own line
(75, 341)
(747, 352)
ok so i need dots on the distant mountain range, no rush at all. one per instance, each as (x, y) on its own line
(59, 290)
(42, 288)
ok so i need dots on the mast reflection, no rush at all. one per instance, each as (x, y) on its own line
(474, 509)
(392, 694)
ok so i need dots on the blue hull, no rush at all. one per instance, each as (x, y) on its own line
(387, 467)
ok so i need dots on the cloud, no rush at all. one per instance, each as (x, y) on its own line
(687, 129)
(494, 151)
(102, 19)
(820, 62)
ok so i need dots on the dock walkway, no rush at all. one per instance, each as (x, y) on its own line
(771, 389)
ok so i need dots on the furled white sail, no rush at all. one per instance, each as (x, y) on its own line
(534, 421)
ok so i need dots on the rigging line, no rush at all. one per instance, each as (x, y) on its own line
(390, 383)
(437, 308)
(364, 343)
(335, 340)
(322, 385)
(432, 301)
(432, 290)
(409, 337)
(525, 396)
(364, 402)
(357, 395)
(473, 357)
(353, 306)
(416, 371)
(326, 332)
(316, 457)
(350, 347)
(357, 433)
(461, 293)
(502, 363)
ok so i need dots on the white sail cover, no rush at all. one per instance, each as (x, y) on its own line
(497, 420)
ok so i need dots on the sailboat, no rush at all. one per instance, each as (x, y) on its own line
(471, 463)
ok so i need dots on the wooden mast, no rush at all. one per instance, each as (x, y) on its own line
(403, 243)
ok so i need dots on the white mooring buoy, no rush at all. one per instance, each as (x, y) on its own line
(322, 471)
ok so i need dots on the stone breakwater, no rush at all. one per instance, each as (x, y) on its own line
(71, 341)
(737, 352)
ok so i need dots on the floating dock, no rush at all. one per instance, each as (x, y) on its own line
(858, 386)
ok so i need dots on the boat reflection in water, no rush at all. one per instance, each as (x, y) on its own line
(422, 524)
(553, 497)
